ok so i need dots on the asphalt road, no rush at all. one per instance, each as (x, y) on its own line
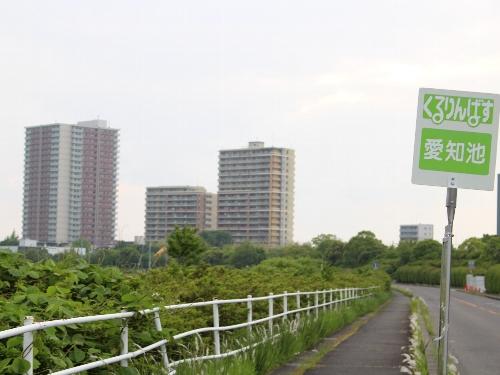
(474, 336)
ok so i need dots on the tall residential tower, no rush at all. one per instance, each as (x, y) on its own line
(256, 194)
(70, 180)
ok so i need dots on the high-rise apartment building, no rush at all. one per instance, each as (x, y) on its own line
(256, 194)
(70, 180)
(168, 207)
(416, 232)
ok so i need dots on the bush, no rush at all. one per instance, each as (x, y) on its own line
(459, 276)
(430, 275)
(493, 279)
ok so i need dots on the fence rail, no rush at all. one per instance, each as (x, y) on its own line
(330, 299)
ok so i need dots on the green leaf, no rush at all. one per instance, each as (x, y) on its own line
(58, 362)
(20, 366)
(34, 274)
(19, 298)
(130, 297)
(77, 355)
(4, 363)
(14, 341)
(51, 290)
(128, 371)
(78, 339)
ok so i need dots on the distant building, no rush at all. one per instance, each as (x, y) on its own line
(168, 207)
(70, 180)
(26, 242)
(256, 194)
(139, 240)
(416, 232)
(210, 211)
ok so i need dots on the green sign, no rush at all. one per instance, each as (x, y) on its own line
(455, 140)
(455, 151)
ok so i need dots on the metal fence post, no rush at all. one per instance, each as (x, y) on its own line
(285, 305)
(124, 341)
(250, 312)
(297, 298)
(271, 301)
(28, 345)
(163, 348)
(308, 304)
(216, 326)
(316, 302)
(324, 300)
(331, 299)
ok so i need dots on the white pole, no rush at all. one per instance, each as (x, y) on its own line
(216, 326)
(250, 312)
(124, 341)
(163, 348)
(271, 301)
(297, 298)
(316, 302)
(28, 345)
(285, 305)
(308, 304)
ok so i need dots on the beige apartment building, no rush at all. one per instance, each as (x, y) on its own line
(256, 194)
(168, 207)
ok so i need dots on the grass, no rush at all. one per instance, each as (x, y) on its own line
(295, 337)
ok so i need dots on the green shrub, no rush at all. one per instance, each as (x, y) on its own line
(493, 279)
(459, 276)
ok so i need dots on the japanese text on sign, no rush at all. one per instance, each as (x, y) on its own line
(473, 111)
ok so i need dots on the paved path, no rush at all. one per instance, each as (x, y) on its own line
(474, 329)
(376, 348)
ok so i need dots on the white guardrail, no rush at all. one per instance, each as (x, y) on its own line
(330, 298)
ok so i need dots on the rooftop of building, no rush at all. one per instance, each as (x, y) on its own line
(255, 145)
(95, 124)
(179, 188)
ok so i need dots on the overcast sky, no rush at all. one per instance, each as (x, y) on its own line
(335, 80)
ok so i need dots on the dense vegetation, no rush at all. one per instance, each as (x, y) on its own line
(420, 262)
(189, 267)
(493, 279)
(72, 287)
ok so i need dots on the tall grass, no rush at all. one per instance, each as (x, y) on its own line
(295, 336)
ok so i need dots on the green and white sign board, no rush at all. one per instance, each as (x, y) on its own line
(456, 139)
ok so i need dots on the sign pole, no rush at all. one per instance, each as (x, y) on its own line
(444, 311)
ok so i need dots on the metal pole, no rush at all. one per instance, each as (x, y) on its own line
(316, 303)
(297, 297)
(285, 305)
(444, 310)
(28, 345)
(271, 314)
(124, 341)
(163, 348)
(216, 326)
(250, 313)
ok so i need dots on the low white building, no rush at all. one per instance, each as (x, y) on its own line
(416, 232)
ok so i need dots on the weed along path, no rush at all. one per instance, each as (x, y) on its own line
(375, 348)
